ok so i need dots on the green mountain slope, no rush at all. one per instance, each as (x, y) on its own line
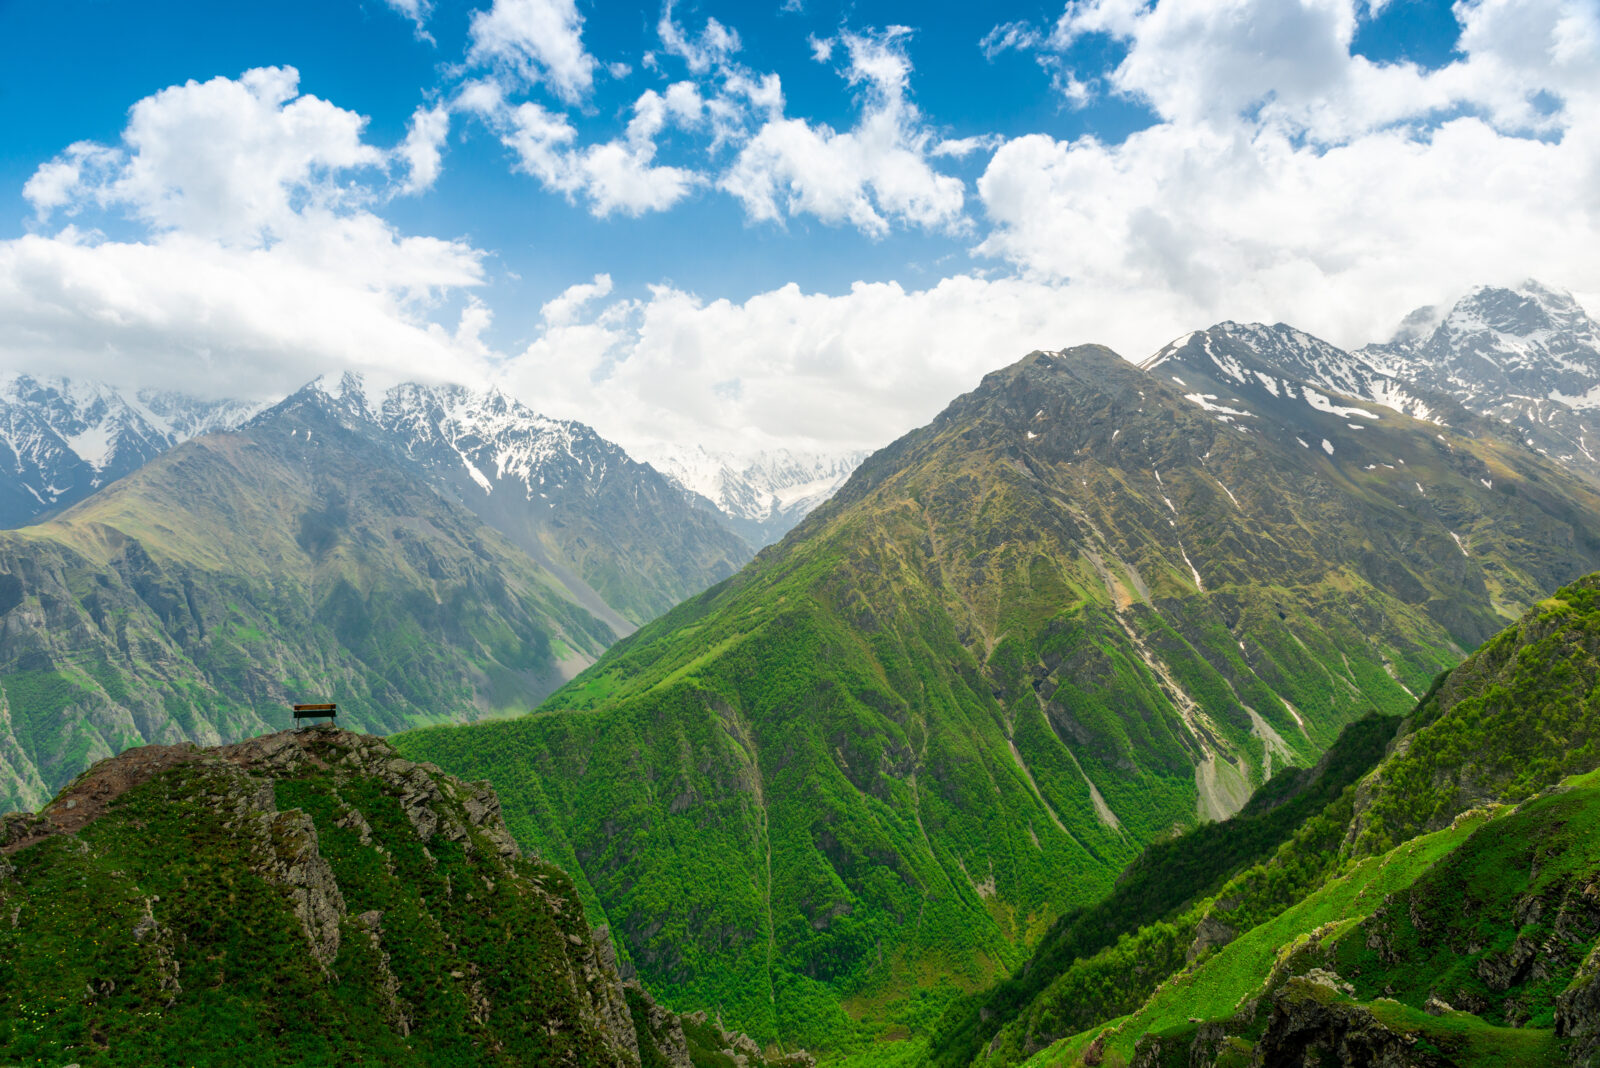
(1074, 614)
(1049, 997)
(196, 598)
(1418, 912)
(307, 897)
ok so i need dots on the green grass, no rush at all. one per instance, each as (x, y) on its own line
(1220, 984)
(1064, 984)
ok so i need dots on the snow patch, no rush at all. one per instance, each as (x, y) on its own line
(1325, 404)
(1208, 402)
(1201, 586)
(94, 445)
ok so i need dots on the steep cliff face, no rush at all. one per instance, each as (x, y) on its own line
(304, 897)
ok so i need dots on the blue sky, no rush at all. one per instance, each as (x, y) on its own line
(366, 57)
(742, 225)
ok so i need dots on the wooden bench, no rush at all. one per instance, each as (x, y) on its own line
(327, 712)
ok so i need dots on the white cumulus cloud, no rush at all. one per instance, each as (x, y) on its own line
(536, 41)
(421, 149)
(1290, 179)
(225, 159)
(619, 176)
(563, 309)
(804, 369)
(262, 263)
(876, 173)
(710, 49)
(418, 11)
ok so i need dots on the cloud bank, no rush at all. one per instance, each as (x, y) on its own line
(1282, 176)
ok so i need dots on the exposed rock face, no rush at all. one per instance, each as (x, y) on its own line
(1578, 1012)
(1210, 933)
(1527, 357)
(368, 906)
(1310, 1026)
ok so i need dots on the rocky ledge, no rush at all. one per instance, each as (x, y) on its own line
(307, 897)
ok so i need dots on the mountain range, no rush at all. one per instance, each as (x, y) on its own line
(63, 439)
(419, 553)
(764, 495)
(1087, 607)
(1094, 615)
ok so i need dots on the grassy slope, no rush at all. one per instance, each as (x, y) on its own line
(865, 774)
(1047, 998)
(1428, 919)
(1521, 712)
(1511, 720)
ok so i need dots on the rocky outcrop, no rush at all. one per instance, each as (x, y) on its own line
(1578, 1012)
(1210, 933)
(384, 901)
(1310, 1025)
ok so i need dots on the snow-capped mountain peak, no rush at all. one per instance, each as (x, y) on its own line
(1527, 356)
(1532, 342)
(1289, 363)
(492, 439)
(765, 492)
(61, 439)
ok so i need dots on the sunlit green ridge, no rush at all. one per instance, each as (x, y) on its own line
(1075, 613)
(1441, 921)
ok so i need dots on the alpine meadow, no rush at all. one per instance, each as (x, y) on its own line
(682, 534)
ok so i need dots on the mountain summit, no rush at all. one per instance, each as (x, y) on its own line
(1528, 357)
(618, 534)
(1084, 607)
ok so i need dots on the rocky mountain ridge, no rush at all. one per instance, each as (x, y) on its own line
(620, 536)
(1290, 364)
(309, 896)
(61, 440)
(1527, 357)
(1076, 612)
